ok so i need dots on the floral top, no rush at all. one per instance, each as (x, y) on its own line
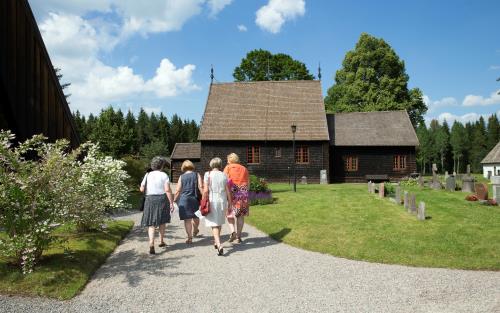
(238, 183)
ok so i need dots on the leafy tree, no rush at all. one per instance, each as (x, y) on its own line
(108, 132)
(259, 65)
(373, 78)
(154, 148)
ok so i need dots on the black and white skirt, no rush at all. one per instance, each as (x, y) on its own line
(156, 211)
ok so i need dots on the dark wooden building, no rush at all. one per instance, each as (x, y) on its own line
(371, 146)
(31, 98)
(182, 152)
(254, 119)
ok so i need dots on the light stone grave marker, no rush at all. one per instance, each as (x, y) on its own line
(405, 197)
(451, 183)
(421, 211)
(381, 190)
(398, 195)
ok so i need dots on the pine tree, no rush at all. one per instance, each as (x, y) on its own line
(493, 132)
(458, 139)
(423, 151)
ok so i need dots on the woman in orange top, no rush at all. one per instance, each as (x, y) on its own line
(239, 186)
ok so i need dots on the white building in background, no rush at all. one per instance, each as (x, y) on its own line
(491, 163)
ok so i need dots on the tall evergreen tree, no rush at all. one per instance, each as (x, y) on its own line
(423, 151)
(458, 139)
(442, 142)
(373, 78)
(493, 132)
(478, 148)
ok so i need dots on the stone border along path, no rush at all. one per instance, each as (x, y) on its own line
(262, 275)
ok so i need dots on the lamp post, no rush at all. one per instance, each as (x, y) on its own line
(294, 129)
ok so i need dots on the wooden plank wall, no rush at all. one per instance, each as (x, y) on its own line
(274, 169)
(32, 100)
(372, 161)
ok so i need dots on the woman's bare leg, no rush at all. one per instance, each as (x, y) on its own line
(188, 225)
(162, 232)
(240, 221)
(196, 226)
(216, 233)
(151, 234)
(231, 221)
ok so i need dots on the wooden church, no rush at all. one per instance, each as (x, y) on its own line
(255, 120)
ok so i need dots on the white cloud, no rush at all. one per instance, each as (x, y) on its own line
(434, 105)
(134, 16)
(465, 118)
(242, 28)
(473, 100)
(217, 5)
(74, 46)
(273, 15)
(149, 110)
(495, 67)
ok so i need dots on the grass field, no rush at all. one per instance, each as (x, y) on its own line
(62, 274)
(346, 221)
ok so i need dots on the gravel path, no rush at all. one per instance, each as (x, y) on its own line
(262, 275)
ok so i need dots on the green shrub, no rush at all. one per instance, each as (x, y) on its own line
(409, 182)
(258, 184)
(136, 169)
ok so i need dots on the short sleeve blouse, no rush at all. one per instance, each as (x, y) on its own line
(156, 182)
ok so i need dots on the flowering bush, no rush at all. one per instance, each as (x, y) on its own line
(100, 187)
(258, 184)
(42, 186)
(32, 201)
(471, 197)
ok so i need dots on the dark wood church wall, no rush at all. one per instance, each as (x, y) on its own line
(31, 98)
(271, 167)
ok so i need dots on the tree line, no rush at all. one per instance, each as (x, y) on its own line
(453, 148)
(144, 136)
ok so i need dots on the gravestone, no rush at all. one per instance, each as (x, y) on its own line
(435, 183)
(481, 191)
(413, 204)
(451, 184)
(303, 180)
(373, 187)
(398, 195)
(446, 175)
(421, 211)
(496, 193)
(323, 178)
(421, 181)
(370, 186)
(495, 186)
(405, 198)
(468, 181)
(381, 190)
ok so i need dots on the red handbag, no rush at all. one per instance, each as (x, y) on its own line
(205, 201)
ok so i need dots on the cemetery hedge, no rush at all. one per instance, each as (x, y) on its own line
(344, 220)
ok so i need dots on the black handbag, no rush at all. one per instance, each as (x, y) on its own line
(143, 200)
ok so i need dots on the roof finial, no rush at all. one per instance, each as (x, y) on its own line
(211, 73)
(319, 70)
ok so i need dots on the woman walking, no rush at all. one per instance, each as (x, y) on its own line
(219, 195)
(186, 196)
(156, 186)
(239, 182)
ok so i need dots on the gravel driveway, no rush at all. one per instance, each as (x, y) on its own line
(262, 275)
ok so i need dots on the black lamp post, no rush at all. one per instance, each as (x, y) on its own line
(294, 129)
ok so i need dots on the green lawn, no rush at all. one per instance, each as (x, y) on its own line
(61, 275)
(346, 221)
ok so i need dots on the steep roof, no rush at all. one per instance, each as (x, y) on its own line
(264, 111)
(185, 151)
(493, 156)
(381, 128)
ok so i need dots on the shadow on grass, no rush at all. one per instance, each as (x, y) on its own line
(281, 234)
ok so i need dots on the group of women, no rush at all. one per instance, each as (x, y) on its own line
(226, 190)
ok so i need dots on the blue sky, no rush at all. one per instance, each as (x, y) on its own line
(157, 53)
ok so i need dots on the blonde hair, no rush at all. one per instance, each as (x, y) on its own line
(187, 166)
(233, 158)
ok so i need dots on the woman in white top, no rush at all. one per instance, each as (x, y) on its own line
(219, 195)
(156, 185)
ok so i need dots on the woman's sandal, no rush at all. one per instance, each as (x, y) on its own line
(162, 244)
(189, 241)
(238, 240)
(232, 237)
(195, 232)
(220, 251)
(152, 250)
